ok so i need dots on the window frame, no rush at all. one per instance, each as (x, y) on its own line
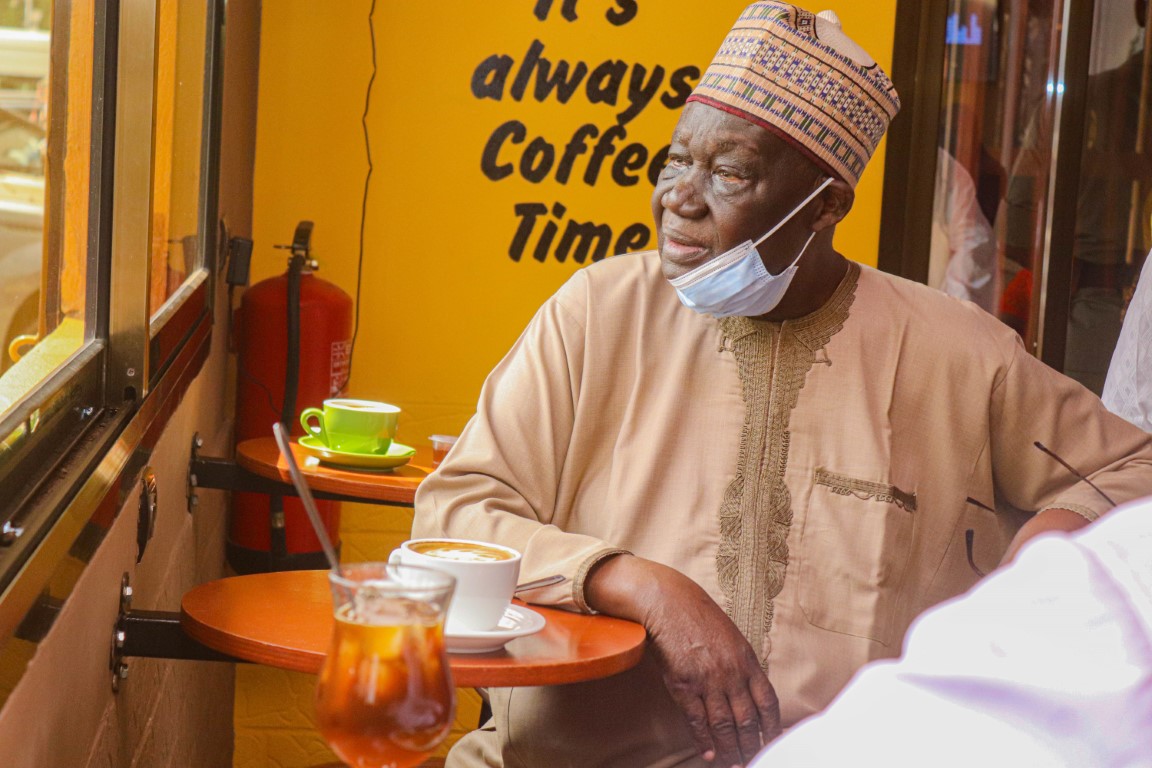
(178, 318)
(106, 407)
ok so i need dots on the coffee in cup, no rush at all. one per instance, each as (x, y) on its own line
(462, 551)
(485, 574)
(352, 426)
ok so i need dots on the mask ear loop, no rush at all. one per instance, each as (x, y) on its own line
(807, 243)
(795, 211)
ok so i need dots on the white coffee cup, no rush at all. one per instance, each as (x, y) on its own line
(485, 574)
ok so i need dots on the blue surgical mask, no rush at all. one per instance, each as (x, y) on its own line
(736, 282)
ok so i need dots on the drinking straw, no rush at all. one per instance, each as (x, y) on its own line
(305, 496)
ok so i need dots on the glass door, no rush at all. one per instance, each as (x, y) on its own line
(1039, 177)
(1114, 193)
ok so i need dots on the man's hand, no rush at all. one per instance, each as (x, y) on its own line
(1054, 519)
(709, 668)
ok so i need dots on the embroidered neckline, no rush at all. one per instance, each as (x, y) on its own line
(825, 321)
(773, 359)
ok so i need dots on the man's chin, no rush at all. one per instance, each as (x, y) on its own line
(674, 268)
(670, 270)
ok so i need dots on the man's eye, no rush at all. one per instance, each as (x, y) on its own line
(674, 165)
(727, 175)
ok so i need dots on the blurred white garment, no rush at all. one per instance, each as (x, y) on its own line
(963, 256)
(1128, 388)
(1045, 663)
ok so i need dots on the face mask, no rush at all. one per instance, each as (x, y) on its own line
(736, 282)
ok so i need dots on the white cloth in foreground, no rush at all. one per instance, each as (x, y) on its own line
(1128, 388)
(1045, 663)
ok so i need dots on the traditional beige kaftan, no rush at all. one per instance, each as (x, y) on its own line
(812, 475)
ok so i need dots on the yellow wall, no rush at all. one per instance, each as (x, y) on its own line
(442, 300)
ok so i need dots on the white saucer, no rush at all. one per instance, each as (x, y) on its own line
(518, 621)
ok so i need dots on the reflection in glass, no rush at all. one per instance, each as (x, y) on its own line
(995, 155)
(45, 150)
(995, 160)
(180, 67)
(1112, 203)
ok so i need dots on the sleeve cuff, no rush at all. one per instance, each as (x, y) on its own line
(1087, 513)
(582, 574)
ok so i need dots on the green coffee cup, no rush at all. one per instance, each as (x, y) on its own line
(352, 426)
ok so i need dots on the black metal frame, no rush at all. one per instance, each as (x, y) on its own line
(152, 635)
(910, 161)
(1057, 278)
(159, 635)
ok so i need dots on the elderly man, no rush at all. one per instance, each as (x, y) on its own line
(770, 456)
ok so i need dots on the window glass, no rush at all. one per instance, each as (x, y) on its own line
(995, 160)
(1114, 199)
(179, 138)
(45, 158)
(995, 152)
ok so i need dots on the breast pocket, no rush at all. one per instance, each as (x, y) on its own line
(855, 548)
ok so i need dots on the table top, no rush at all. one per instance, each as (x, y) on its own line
(260, 456)
(284, 620)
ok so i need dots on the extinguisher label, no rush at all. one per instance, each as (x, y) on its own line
(341, 356)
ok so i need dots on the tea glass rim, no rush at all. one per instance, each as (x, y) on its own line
(432, 582)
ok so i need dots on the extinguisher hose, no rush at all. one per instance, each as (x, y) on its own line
(278, 531)
(292, 376)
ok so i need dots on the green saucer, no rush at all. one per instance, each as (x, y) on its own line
(397, 455)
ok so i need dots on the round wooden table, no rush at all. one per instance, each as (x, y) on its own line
(260, 456)
(284, 620)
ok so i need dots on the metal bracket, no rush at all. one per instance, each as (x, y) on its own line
(152, 635)
(116, 663)
(193, 500)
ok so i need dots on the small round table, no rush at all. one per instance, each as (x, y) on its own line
(284, 620)
(260, 456)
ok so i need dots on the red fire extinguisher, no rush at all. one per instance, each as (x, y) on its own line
(293, 340)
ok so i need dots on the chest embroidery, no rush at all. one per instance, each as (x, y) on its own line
(756, 513)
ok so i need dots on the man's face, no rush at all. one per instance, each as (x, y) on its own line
(727, 181)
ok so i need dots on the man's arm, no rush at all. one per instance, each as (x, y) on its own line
(1053, 520)
(709, 668)
(1033, 403)
(501, 480)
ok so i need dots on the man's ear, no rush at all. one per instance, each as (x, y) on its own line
(835, 202)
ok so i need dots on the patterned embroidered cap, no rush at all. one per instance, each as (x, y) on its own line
(798, 75)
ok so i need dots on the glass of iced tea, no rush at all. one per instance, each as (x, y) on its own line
(385, 697)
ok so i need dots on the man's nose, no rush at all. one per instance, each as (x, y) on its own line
(685, 196)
